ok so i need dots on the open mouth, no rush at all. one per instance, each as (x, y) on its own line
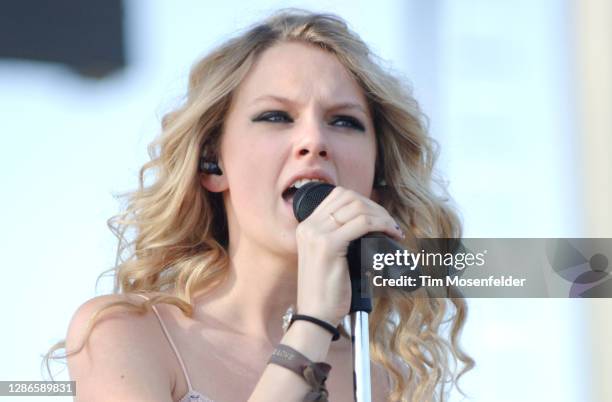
(288, 194)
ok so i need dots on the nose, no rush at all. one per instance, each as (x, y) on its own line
(312, 142)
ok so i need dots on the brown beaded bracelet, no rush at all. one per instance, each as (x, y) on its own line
(315, 374)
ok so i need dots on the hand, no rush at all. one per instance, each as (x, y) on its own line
(324, 286)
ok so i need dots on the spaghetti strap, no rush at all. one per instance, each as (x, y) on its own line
(167, 334)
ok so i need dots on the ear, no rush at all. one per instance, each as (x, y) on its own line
(214, 183)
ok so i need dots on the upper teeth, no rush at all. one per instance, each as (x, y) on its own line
(299, 183)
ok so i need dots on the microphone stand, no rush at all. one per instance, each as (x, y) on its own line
(361, 356)
(359, 255)
(361, 306)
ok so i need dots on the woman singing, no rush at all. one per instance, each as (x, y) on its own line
(211, 256)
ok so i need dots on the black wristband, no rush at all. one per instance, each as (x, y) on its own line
(333, 330)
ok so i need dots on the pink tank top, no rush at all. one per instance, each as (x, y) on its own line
(192, 395)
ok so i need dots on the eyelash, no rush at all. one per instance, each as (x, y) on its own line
(275, 116)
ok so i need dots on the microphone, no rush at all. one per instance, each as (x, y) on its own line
(360, 251)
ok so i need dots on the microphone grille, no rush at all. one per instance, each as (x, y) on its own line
(308, 197)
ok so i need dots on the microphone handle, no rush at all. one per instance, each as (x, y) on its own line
(361, 291)
(360, 256)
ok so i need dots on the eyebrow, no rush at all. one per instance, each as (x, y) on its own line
(337, 106)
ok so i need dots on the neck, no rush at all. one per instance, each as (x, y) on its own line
(256, 293)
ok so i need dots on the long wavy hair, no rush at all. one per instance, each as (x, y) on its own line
(173, 234)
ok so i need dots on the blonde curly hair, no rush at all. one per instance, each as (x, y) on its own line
(173, 234)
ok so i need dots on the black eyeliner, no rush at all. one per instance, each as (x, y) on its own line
(262, 117)
(356, 124)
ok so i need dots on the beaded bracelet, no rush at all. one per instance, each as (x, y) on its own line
(315, 374)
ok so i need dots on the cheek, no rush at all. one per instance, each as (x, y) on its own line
(242, 153)
(252, 170)
(358, 161)
(252, 150)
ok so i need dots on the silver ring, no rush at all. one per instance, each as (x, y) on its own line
(333, 218)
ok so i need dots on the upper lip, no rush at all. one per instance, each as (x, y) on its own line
(309, 174)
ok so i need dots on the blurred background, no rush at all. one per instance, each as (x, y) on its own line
(518, 93)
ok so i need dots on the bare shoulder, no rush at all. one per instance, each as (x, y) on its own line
(121, 359)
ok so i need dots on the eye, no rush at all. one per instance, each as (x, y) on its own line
(274, 116)
(348, 122)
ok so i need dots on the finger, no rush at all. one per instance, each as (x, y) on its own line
(363, 224)
(344, 196)
(360, 206)
(357, 207)
(337, 198)
(322, 217)
(342, 205)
